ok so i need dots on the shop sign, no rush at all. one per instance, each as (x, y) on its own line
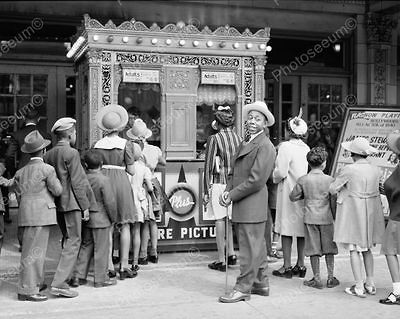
(182, 200)
(211, 77)
(141, 76)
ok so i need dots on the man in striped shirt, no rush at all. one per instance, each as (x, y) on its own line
(220, 149)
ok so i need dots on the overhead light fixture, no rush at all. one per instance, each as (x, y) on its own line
(75, 47)
(249, 45)
(125, 39)
(337, 47)
(262, 46)
(196, 43)
(268, 48)
(168, 41)
(236, 45)
(95, 37)
(209, 43)
(182, 42)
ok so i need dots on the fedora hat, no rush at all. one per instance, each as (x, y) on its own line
(261, 107)
(34, 142)
(297, 125)
(393, 141)
(138, 130)
(112, 117)
(359, 146)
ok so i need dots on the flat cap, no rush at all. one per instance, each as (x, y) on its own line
(63, 124)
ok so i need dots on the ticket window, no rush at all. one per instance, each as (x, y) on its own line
(142, 100)
(209, 97)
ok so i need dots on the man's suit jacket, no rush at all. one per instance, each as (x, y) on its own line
(76, 187)
(16, 141)
(36, 185)
(252, 166)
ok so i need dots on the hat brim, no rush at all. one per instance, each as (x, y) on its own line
(348, 147)
(29, 151)
(132, 136)
(120, 110)
(300, 129)
(262, 109)
(393, 142)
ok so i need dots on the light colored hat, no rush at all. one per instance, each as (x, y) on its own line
(261, 107)
(297, 125)
(393, 141)
(112, 117)
(63, 124)
(34, 142)
(359, 146)
(138, 130)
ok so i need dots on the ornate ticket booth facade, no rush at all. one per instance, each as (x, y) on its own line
(173, 78)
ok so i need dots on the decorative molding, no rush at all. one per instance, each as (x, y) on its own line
(94, 132)
(178, 80)
(94, 56)
(248, 80)
(380, 76)
(380, 28)
(106, 84)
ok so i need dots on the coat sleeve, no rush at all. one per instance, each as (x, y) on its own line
(340, 181)
(281, 164)
(211, 152)
(297, 192)
(109, 201)
(53, 183)
(79, 182)
(259, 173)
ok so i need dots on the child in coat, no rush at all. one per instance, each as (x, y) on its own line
(95, 233)
(36, 185)
(318, 217)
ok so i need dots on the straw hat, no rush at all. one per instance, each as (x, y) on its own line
(393, 141)
(34, 142)
(139, 130)
(359, 146)
(262, 108)
(112, 117)
(297, 125)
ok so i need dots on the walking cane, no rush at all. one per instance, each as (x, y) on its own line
(226, 249)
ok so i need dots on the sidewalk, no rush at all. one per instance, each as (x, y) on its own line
(181, 286)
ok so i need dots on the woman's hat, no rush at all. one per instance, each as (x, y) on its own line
(359, 146)
(393, 141)
(262, 108)
(224, 116)
(138, 130)
(297, 125)
(34, 142)
(112, 117)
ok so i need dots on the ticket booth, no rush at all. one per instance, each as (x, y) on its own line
(173, 78)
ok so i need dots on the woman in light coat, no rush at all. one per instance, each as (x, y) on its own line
(290, 164)
(359, 221)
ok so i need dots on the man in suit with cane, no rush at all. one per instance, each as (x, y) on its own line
(247, 189)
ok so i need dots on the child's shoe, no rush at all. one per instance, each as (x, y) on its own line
(143, 261)
(153, 259)
(332, 282)
(313, 283)
(126, 273)
(299, 271)
(135, 268)
(283, 272)
(112, 273)
(354, 291)
(392, 299)
(371, 290)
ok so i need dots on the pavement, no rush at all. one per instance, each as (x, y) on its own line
(181, 286)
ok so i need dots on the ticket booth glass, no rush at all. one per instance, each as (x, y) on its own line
(209, 97)
(143, 100)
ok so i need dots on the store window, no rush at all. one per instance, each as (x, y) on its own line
(143, 100)
(18, 94)
(209, 97)
(70, 84)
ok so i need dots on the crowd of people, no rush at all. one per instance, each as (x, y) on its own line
(106, 201)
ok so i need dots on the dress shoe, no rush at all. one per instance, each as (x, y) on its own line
(63, 292)
(262, 291)
(143, 261)
(76, 282)
(299, 271)
(127, 273)
(35, 297)
(235, 296)
(392, 299)
(153, 259)
(313, 283)
(42, 287)
(135, 268)
(107, 283)
(112, 274)
(276, 254)
(232, 260)
(332, 282)
(283, 272)
(217, 266)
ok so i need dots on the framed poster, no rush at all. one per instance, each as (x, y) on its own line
(374, 124)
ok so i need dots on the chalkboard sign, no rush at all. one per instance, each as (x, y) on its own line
(374, 124)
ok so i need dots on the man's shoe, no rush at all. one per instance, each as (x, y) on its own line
(153, 259)
(234, 296)
(299, 271)
(112, 274)
(262, 291)
(332, 282)
(283, 272)
(42, 287)
(143, 261)
(217, 266)
(76, 282)
(63, 292)
(392, 299)
(313, 283)
(107, 283)
(35, 297)
(232, 260)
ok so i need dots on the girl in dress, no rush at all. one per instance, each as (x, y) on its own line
(118, 160)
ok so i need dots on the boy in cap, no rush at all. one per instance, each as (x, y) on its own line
(36, 185)
(72, 204)
(247, 189)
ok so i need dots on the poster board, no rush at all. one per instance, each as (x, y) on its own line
(374, 124)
